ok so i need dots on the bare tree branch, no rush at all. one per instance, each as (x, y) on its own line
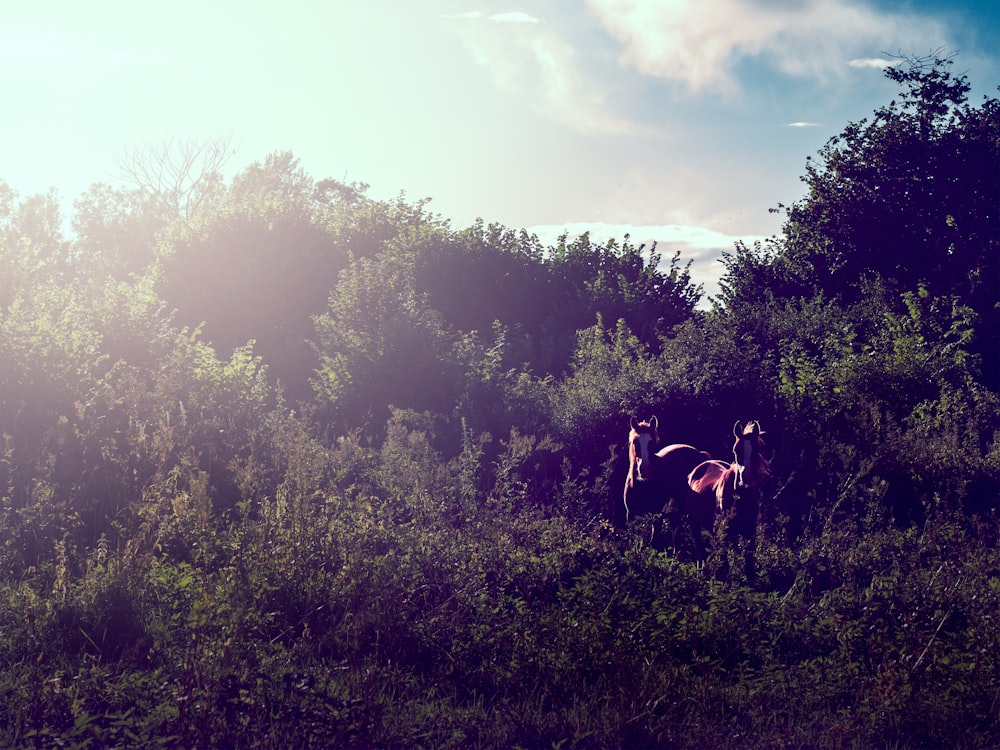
(180, 174)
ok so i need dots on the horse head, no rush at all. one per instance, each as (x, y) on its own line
(749, 464)
(643, 442)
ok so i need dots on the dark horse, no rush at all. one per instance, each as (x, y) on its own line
(731, 491)
(656, 475)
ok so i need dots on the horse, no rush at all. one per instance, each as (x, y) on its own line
(732, 492)
(656, 475)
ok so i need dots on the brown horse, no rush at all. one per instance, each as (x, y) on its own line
(656, 475)
(731, 491)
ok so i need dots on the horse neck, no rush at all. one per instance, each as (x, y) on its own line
(760, 470)
(757, 472)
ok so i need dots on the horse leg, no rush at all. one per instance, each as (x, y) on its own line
(619, 510)
(671, 522)
(746, 530)
(699, 517)
(723, 572)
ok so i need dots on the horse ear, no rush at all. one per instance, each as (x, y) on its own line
(737, 429)
(756, 428)
(633, 424)
(652, 422)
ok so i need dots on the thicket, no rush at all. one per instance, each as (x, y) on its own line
(299, 468)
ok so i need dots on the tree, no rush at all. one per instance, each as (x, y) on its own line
(32, 249)
(485, 275)
(256, 267)
(116, 231)
(263, 261)
(911, 196)
(617, 282)
(180, 176)
(380, 344)
(103, 400)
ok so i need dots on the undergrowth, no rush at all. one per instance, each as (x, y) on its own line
(355, 617)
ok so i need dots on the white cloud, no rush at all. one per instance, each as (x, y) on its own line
(700, 44)
(529, 60)
(509, 17)
(803, 124)
(879, 63)
(515, 17)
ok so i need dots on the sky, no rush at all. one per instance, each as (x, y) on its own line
(679, 121)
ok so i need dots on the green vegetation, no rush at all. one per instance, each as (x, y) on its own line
(285, 466)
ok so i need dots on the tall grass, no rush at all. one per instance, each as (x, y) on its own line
(423, 617)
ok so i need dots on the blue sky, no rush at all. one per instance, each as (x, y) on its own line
(682, 121)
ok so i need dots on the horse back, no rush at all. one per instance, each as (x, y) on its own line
(707, 476)
(676, 462)
(679, 454)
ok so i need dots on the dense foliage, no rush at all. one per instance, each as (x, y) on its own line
(287, 466)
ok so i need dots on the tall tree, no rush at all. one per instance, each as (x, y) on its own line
(116, 231)
(617, 282)
(262, 262)
(913, 195)
(484, 275)
(32, 249)
(256, 267)
(380, 344)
